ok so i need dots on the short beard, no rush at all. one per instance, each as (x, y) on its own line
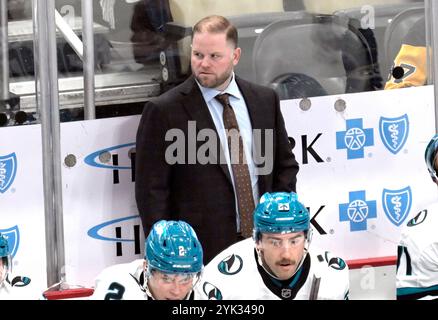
(218, 81)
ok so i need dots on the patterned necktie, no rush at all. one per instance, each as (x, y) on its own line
(242, 180)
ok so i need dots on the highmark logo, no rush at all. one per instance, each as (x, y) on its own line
(357, 211)
(109, 158)
(394, 132)
(397, 204)
(13, 237)
(354, 139)
(8, 170)
(106, 230)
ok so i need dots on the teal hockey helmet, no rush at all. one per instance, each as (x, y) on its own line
(173, 247)
(430, 155)
(280, 212)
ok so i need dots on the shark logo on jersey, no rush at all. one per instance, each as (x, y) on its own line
(8, 169)
(13, 237)
(211, 291)
(335, 262)
(397, 204)
(286, 293)
(20, 281)
(394, 132)
(230, 265)
(419, 218)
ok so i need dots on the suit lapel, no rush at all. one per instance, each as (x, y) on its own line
(252, 100)
(198, 111)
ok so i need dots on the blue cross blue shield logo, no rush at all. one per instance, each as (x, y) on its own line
(397, 204)
(355, 138)
(394, 132)
(8, 169)
(357, 211)
(13, 237)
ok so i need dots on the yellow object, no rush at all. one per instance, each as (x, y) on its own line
(413, 61)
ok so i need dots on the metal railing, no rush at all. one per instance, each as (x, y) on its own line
(46, 76)
(46, 20)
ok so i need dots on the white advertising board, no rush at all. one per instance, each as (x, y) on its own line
(362, 174)
(101, 222)
(362, 170)
(22, 201)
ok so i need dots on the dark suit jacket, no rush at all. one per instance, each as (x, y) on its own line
(203, 195)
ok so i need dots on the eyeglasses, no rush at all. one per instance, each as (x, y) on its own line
(292, 242)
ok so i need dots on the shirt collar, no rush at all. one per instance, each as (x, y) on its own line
(210, 93)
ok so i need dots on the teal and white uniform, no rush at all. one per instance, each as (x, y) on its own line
(235, 274)
(417, 263)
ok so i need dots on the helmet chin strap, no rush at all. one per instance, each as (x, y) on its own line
(146, 288)
(147, 273)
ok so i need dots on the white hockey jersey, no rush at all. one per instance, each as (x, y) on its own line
(122, 282)
(235, 274)
(417, 258)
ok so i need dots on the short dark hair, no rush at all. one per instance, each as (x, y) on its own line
(217, 24)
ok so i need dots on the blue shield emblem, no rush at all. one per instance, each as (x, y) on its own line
(397, 204)
(8, 169)
(394, 132)
(13, 236)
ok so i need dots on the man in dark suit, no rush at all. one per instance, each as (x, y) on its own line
(195, 178)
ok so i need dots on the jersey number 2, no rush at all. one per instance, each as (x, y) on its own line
(117, 291)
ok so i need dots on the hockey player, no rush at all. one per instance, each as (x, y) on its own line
(276, 263)
(171, 267)
(417, 258)
(13, 288)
